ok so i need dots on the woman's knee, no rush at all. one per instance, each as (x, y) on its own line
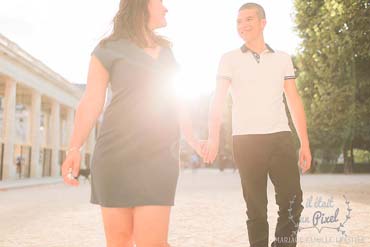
(119, 238)
(145, 243)
(151, 224)
(118, 226)
(120, 243)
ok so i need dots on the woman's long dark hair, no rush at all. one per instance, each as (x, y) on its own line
(131, 22)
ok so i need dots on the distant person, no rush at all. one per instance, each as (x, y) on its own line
(195, 161)
(223, 162)
(18, 164)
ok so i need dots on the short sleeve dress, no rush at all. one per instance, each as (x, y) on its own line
(135, 160)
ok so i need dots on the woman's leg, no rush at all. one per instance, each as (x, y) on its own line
(118, 226)
(151, 225)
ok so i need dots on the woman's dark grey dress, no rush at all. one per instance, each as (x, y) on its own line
(135, 159)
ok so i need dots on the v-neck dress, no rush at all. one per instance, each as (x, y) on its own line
(136, 156)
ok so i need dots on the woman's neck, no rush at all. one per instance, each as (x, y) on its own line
(150, 40)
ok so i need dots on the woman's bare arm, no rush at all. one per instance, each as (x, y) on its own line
(91, 103)
(186, 125)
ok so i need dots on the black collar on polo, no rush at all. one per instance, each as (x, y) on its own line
(256, 56)
(245, 49)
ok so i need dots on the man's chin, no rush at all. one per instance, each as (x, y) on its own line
(245, 38)
(248, 39)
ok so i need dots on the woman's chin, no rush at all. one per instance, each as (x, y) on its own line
(163, 24)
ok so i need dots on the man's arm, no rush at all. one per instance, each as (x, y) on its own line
(215, 118)
(299, 119)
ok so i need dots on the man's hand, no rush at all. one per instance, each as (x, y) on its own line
(305, 159)
(210, 150)
(299, 119)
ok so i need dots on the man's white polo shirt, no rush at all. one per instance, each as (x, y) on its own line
(257, 87)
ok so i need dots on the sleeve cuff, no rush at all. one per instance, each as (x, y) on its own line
(223, 77)
(289, 77)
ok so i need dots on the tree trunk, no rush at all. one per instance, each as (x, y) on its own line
(348, 161)
(351, 160)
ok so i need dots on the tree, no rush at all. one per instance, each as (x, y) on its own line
(334, 77)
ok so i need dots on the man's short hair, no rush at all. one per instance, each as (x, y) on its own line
(260, 11)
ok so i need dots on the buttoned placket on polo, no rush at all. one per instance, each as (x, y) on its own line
(256, 56)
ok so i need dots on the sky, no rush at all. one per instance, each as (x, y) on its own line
(62, 34)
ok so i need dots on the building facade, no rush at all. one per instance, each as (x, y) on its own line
(37, 108)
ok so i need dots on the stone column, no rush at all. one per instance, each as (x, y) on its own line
(9, 168)
(70, 122)
(55, 139)
(91, 141)
(83, 158)
(36, 168)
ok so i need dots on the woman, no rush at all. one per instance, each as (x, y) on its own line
(135, 166)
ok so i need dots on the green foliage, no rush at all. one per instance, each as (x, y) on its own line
(334, 72)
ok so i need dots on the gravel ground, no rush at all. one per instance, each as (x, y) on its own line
(209, 212)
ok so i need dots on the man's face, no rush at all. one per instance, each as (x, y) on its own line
(250, 26)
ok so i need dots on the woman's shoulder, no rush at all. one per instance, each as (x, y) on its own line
(112, 44)
(108, 50)
(170, 58)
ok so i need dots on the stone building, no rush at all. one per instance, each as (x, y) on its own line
(37, 108)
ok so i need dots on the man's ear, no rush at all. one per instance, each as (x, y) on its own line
(263, 23)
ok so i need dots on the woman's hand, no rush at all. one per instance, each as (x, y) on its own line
(201, 147)
(71, 168)
(198, 146)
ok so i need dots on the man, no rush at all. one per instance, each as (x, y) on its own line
(262, 142)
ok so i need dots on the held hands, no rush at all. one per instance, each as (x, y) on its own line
(210, 150)
(207, 149)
